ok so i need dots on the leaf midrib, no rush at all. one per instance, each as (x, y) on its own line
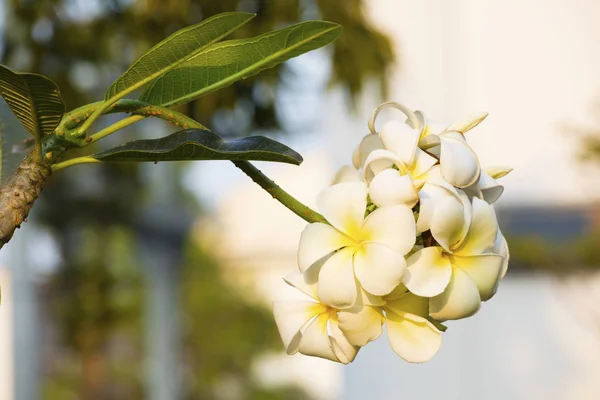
(33, 110)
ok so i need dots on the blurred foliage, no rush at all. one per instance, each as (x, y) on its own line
(98, 40)
(536, 253)
(223, 333)
(95, 301)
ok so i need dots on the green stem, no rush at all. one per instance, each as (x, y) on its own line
(74, 161)
(142, 110)
(109, 130)
(304, 212)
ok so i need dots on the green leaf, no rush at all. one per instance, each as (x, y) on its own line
(176, 49)
(34, 99)
(200, 144)
(229, 61)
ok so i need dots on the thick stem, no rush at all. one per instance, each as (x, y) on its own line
(18, 195)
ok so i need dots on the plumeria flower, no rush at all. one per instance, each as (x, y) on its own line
(397, 172)
(364, 269)
(459, 163)
(405, 315)
(435, 190)
(461, 271)
(311, 327)
(353, 248)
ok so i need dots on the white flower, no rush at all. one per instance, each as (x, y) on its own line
(460, 272)
(368, 250)
(411, 335)
(459, 163)
(397, 172)
(310, 327)
(434, 190)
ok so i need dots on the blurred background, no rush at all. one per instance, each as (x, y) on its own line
(155, 281)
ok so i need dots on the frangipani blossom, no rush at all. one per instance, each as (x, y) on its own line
(460, 272)
(459, 163)
(310, 327)
(354, 249)
(430, 196)
(364, 269)
(397, 172)
(411, 335)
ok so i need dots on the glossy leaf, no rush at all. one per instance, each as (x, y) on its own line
(200, 144)
(176, 49)
(34, 99)
(224, 63)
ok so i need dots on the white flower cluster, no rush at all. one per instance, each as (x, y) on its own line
(411, 241)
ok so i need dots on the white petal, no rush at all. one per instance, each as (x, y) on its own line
(448, 223)
(483, 270)
(378, 268)
(390, 187)
(429, 195)
(346, 174)
(429, 127)
(290, 317)
(337, 285)
(368, 299)
(501, 247)
(481, 236)
(366, 146)
(490, 188)
(459, 300)
(460, 166)
(395, 294)
(400, 139)
(306, 281)
(431, 143)
(408, 303)
(428, 272)
(361, 326)
(317, 241)
(468, 123)
(498, 172)
(393, 226)
(422, 163)
(343, 206)
(422, 121)
(380, 160)
(416, 340)
(342, 348)
(315, 340)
